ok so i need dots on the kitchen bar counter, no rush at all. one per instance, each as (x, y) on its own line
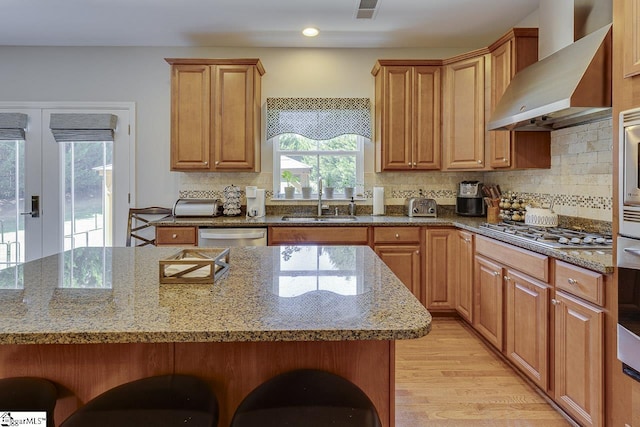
(93, 318)
(597, 259)
(270, 294)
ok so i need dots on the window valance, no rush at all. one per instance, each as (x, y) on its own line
(67, 127)
(12, 126)
(319, 118)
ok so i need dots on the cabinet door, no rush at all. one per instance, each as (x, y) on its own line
(190, 117)
(631, 54)
(488, 296)
(463, 114)
(234, 136)
(463, 279)
(579, 359)
(395, 125)
(404, 261)
(527, 326)
(500, 141)
(426, 118)
(440, 269)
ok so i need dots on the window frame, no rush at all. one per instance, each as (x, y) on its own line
(359, 172)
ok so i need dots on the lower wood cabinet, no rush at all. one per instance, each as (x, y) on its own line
(488, 300)
(527, 326)
(463, 278)
(579, 359)
(440, 268)
(400, 249)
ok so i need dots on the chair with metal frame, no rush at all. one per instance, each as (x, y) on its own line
(140, 219)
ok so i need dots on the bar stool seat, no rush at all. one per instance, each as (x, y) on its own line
(28, 394)
(161, 401)
(306, 398)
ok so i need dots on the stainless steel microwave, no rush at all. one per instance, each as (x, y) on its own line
(629, 175)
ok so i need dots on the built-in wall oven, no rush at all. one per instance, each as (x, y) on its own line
(628, 244)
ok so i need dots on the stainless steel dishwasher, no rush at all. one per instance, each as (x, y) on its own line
(226, 237)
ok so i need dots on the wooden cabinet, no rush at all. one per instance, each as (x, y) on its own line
(407, 115)
(399, 248)
(579, 359)
(515, 150)
(440, 268)
(527, 326)
(463, 113)
(318, 235)
(631, 53)
(463, 279)
(488, 300)
(176, 236)
(215, 114)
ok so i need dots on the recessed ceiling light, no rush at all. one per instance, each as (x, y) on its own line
(310, 32)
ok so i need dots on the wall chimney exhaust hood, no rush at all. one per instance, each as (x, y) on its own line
(570, 87)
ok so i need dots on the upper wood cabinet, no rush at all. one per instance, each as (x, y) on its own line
(215, 114)
(407, 115)
(463, 113)
(631, 54)
(515, 150)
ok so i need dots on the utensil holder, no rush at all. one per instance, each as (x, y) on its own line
(493, 214)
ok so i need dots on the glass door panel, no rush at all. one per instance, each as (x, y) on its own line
(12, 193)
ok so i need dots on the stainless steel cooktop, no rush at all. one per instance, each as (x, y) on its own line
(553, 237)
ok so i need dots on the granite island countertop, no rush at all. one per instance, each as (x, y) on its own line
(292, 293)
(600, 260)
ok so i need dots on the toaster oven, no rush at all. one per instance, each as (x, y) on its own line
(420, 206)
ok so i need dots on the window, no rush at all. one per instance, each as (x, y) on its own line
(338, 161)
(318, 138)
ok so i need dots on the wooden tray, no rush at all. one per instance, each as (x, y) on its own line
(197, 265)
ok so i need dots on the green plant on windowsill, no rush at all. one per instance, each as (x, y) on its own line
(289, 189)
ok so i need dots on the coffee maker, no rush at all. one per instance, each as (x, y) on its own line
(469, 201)
(255, 202)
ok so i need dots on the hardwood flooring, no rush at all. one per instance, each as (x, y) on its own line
(450, 378)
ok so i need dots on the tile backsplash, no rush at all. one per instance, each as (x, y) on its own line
(579, 182)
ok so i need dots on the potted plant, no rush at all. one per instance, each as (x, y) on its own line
(306, 188)
(289, 190)
(349, 189)
(328, 189)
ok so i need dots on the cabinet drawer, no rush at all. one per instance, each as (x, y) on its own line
(396, 235)
(531, 263)
(172, 236)
(580, 282)
(319, 235)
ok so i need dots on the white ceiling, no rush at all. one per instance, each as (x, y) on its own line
(261, 23)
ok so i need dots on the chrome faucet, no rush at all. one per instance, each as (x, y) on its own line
(320, 196)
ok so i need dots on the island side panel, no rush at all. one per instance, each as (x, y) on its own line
(83, 371)
(235, 369)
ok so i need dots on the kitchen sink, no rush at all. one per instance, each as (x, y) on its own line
(323, 218)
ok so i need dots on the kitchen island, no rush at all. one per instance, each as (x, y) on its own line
(93, 318)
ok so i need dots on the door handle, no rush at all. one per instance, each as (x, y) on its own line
(35, 207)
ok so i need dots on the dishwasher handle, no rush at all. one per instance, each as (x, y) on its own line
(212, 235)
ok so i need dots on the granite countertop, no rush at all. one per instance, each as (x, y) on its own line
(292, 293)
(596, 260)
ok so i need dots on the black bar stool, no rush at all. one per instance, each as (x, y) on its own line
(309, 398)
(161, 401)
(28, 394)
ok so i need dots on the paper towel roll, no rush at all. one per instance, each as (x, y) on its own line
(378, 200)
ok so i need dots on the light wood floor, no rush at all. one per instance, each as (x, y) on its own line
(450, 378)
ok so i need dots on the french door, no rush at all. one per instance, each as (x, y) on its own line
(57, 196)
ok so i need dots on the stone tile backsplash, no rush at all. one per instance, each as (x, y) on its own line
(579, 182)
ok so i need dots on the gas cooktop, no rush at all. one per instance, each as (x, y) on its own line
(553, 237)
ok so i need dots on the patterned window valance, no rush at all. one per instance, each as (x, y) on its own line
(319, 118)
(12, 126)
(70, 127)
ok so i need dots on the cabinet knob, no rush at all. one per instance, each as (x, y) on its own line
(206, 163)
(555, 301)
(495, 273)
(409, 163)
(468, 240)
(397, 236)
(504, 159)
(414, 163)
(480, 162)
(507, 278)
(572, 281)
(417, 252)
(174, 236)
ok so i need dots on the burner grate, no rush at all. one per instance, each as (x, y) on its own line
(555, 237)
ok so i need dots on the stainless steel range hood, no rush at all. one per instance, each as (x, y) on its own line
(570, 87)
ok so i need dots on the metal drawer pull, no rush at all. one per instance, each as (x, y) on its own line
(555, 301)
(572, 281)
(507, 278)
(174, 236)
(397, 236)
(632, 251)
(495, 273)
